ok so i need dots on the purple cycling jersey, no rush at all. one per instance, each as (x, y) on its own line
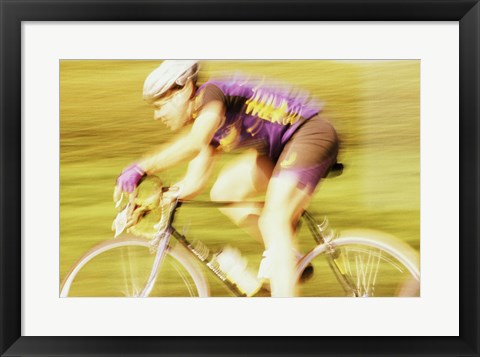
(257, 114)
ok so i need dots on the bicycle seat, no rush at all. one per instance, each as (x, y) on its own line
(335, 170)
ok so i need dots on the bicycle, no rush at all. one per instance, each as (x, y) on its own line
(363, 266)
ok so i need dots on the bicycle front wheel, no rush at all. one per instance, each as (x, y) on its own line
(121, 268)
(369, 265)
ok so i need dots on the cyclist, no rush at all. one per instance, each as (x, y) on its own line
(287, 148)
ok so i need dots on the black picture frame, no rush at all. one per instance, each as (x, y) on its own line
(13, 12)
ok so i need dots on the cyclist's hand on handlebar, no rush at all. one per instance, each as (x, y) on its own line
(128, 180)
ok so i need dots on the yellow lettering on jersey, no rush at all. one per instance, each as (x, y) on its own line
(280, 113)
(263, 106)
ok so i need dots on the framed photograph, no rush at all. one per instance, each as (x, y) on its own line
(362, 112)
(259, 109)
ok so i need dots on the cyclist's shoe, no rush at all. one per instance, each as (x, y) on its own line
(307, 273)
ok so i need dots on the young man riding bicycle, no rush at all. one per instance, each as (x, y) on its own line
(287, 149)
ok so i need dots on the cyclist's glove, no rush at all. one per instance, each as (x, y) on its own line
(129, 178)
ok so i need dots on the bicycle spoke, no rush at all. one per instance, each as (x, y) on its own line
(358, 275)
(367, 267)
(183, 277)
(125, 290)
(376, 273)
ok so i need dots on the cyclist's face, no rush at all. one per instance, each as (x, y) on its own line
(174, 109)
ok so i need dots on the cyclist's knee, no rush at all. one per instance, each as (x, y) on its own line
(220, 191)
(224, 190)
(215, 193)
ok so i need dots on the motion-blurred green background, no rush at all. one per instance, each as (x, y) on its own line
(374, 105)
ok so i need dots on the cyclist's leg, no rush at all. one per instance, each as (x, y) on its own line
(284, 203)
(243, 179)
(305, 159)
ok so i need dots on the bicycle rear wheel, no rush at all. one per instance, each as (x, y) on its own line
(122, 267)
(373, 265)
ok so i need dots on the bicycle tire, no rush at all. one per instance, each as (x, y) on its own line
(374, 263)
(118, 274)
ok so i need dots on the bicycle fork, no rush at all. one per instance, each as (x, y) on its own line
(159, 256)
(331, 254)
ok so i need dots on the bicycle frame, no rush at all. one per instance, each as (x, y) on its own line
(206, 258)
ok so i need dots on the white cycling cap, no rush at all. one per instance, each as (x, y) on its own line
(170, 72)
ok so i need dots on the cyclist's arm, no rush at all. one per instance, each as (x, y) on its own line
(189, 146)
(198, 173)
